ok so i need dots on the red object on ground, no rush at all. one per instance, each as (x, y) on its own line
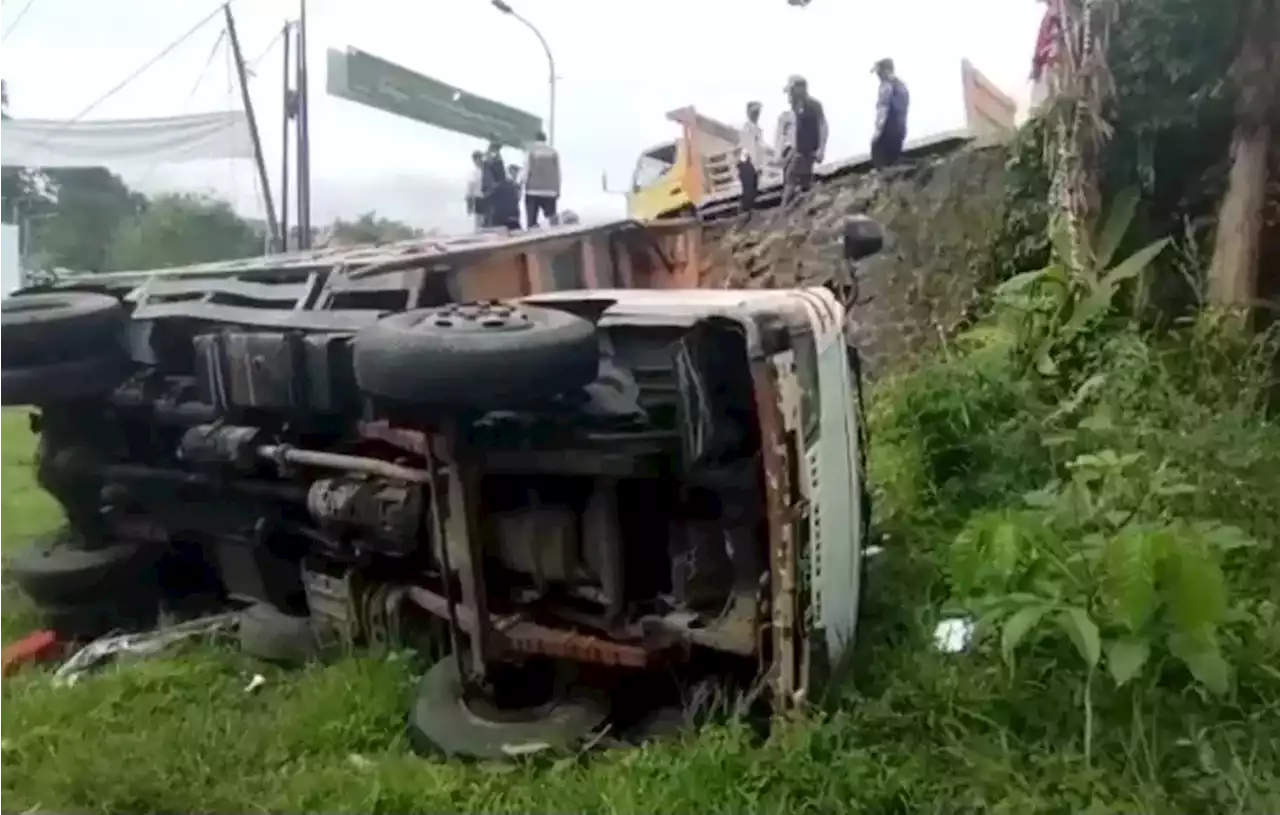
(38, 646)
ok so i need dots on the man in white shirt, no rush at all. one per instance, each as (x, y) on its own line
(475, 196)
(751, 157)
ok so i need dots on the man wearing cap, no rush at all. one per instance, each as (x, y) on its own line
(809, 141)
(891, 116)
(751, 157)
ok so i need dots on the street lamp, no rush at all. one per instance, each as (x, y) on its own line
(505, 8)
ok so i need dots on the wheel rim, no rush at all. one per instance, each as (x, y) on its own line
(477, 318)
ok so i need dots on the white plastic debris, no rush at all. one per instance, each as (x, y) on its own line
(258, 681)
(953, 635)
(142, 644)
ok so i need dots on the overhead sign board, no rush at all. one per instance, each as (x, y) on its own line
(361, 77)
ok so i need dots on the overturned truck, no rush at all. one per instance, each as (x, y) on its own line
(601, 486)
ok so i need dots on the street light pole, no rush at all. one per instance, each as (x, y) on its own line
(505, 8)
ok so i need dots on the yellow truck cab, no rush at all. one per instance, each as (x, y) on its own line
(671, 178)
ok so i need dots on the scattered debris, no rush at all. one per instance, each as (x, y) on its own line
(142, 644)
(258, 681)
(38, 646)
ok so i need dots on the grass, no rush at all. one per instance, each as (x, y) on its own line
(914, 731)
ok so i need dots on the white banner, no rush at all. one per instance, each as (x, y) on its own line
(107, 143)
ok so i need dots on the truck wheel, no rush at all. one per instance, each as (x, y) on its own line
(58, 570)
(51, 325)
(62, 381)
(442, 720)
(476, 356)
(269, 634)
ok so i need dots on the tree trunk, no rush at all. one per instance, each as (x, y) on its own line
(1233, 274)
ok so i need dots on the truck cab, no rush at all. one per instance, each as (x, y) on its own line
(672, 177)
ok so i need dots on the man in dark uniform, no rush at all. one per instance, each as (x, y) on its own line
(891, 116)
(493, 176)
(810, 140)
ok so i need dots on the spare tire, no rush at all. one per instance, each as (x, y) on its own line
(53, 326)
(63, 381)
(476, 356)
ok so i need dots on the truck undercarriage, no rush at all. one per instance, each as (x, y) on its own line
(579, 492)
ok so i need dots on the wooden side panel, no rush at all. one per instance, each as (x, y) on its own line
(494, 278)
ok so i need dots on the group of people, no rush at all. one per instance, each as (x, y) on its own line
(494, 193)
(801, 139)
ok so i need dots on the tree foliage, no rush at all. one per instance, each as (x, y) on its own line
(178, 229)
(89, 220)
(75, 226)
(1170, 116)
(370, 228)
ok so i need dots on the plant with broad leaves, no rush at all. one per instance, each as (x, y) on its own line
(1096, 558)
(1054, 307)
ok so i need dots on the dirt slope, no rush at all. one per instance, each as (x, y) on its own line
(938, 216)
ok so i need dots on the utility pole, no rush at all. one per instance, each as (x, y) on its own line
(304, 134)
(273, 226)
(289, 113)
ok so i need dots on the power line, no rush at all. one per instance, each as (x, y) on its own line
(265, 52)
(208, 63)
(168, 49)
(191, 95)
(22, 12)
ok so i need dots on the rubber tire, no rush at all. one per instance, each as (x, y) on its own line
(440, 722)
(51, 325)
(54, 571)
(269, 634)
(408, 359)
(63, 381)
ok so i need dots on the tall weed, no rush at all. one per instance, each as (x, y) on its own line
(1111, 519)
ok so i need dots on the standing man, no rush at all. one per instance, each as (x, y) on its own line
(891, 116)
(541, 180)
(504, 200)
(810, 141)
(493, 176)
(751, 157)
(475, 200)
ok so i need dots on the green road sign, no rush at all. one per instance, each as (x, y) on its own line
(369, 80)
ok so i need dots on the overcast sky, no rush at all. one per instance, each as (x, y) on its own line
(621, 65)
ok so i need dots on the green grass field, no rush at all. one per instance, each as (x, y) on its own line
(916, 731)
